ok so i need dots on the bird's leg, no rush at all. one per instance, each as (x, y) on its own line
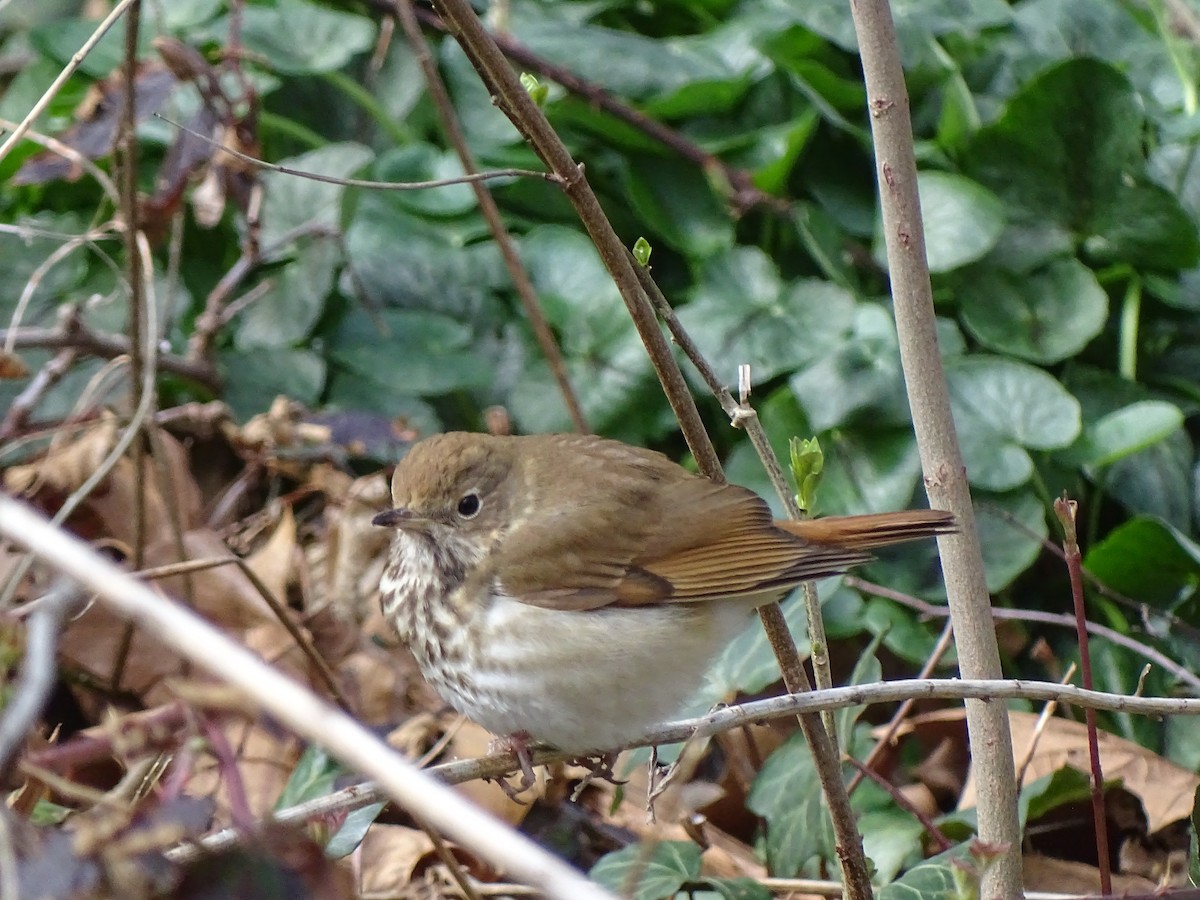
(517, 744)
(600, 768)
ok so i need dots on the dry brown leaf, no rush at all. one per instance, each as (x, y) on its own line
(350, 561)
(110, 508)
(1165, 789)
(1043, 873)
(272, 562)
(222, 594)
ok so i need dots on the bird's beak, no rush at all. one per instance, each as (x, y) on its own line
(399, 518)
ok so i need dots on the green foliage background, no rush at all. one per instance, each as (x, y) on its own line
(1057, 144)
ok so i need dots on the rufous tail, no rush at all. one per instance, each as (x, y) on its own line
(874, 530)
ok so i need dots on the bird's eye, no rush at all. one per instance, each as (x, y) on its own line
(469, 505)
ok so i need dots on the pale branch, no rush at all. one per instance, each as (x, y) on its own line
(937, 440)
(294, 706)
(728, 718)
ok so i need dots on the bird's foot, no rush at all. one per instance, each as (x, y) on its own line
(518, 745)
(600, 768)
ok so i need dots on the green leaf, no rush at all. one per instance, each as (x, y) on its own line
(868, 470)
(742, 313)
(1066, 785)
(1043, 316)
(642, 249)
(1002, 407)
(254, 378)
(313, 777)
(656, 870)
(679, 204)
(629, 65)
(1067, 148)
(298, 37)
(408, 353)
(867, 670)
(807, 461)
(859, 376)
(1063, 143)
(293, 202)
(1144, 225)
(892, 840)
(1125, 431)
(947, 876)
(354, 828)
(1009, 551)
(788, 795)
(399, 259)
(287, 312)
(1156, 481)
(963, 220)
(1148, 559)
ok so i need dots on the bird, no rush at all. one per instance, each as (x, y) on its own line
(572, 590)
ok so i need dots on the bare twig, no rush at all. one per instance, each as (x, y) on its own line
(902, 712)
(1065, 510)
(1182, 673)
(931, 829)
(294, 706)
(491, 215)
(74, 335)
(76, 59)
(937, 441)
(47, 376)
(28, 696)
(516, 103)
(468, 178)
(726, 718)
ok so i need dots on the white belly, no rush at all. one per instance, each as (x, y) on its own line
(574, 680)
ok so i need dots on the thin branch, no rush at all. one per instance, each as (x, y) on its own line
(1066, 511)
(294, 706)
(727, 718)
(935, 834)
(1160, 659)
(491, 215)
(28, 695)
(516, 103)
(469, 178)
(76, 59)
(47, 376)
(74, 335)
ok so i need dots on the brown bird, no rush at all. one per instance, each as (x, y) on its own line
(573, 589)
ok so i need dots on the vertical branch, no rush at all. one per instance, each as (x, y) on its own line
(937, 442)
(1066, 510)
(491, 214)
(516, 103)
